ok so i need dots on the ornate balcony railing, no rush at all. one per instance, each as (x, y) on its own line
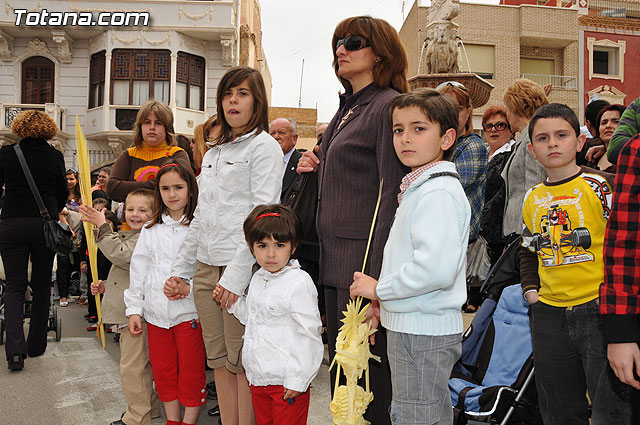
(9, 111)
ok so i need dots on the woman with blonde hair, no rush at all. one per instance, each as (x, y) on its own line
(203, 134)
(521, 172)
(355, 155)
(21, 231)
(154, 144)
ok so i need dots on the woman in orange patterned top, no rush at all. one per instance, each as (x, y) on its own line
(154, 144)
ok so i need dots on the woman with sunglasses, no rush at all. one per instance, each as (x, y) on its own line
(355, 155)
(497, 135)
(470, 158)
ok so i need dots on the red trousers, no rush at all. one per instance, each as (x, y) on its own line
(177, 362)
(271, 409)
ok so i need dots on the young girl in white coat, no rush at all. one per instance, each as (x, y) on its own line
(176, 349)
(282, 349)
(241, 170)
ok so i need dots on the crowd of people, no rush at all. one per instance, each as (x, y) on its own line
(234, 250)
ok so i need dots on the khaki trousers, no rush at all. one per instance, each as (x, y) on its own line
(137, 380)
(221, 331)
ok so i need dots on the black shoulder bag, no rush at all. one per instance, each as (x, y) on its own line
(57, 235)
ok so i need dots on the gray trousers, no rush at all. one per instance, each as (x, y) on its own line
(420, 369)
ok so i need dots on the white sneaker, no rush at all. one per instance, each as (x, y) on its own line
(64, 303)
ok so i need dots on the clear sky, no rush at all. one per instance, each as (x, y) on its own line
(293, 30)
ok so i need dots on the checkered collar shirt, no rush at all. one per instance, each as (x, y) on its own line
(620, 292)
(412, 176)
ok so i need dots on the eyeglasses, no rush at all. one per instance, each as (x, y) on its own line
(452, 84)
(499, 126)
(353, 42)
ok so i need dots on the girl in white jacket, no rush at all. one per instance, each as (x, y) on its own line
(282, 349)
(241, 170)
(176, 349)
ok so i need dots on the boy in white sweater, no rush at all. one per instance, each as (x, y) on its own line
(422, 282)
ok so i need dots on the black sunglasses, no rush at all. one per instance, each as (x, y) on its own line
(499, 126)
(353, 42)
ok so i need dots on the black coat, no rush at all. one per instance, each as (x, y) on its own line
(290, 173)
(47, 168)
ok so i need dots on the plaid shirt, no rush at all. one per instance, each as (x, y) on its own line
(470, 156)
(411, 177)
(620, 292)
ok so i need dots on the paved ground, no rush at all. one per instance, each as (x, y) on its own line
(76, 382)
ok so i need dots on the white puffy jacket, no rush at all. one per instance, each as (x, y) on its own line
(282, 343)
(150, 268)
(235, 177)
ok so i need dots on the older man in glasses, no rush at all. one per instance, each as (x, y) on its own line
(285, 131)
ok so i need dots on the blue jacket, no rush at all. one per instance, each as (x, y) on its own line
(423, 279)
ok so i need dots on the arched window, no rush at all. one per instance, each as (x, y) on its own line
(37, 80)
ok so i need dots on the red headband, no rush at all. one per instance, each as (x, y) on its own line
(267, 215)
(168, 165)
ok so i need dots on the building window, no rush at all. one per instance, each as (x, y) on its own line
(606, 58)
(37, 80)
(605, 61)
(190, 82)
(478, 58)
(140, 75)
(96, 79)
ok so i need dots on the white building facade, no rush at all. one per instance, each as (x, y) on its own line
(102, 74)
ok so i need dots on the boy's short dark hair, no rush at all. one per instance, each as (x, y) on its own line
(276, 220)
(437, 108)
(592, 110)
(555, 110)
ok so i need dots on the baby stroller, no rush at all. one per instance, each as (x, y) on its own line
(54, 323)
(493, 382)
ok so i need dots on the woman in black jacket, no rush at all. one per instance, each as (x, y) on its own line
(21, 231)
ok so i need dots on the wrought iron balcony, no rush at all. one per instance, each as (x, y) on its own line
(10, 111)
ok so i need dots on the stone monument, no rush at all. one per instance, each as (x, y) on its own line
(439, 55)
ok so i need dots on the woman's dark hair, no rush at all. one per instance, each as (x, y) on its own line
(391, 70)
(164, 115)
(614, 107)
(185, 144)
(260, 118)
(113, 218)
(187, 175)
(75, 192)
(277, 221)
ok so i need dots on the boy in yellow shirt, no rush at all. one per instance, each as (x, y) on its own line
(561, 270)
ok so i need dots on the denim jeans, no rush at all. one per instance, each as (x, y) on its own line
(420, 370)
(570, 358)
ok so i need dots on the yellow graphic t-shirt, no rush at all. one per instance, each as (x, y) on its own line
(564, 225)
